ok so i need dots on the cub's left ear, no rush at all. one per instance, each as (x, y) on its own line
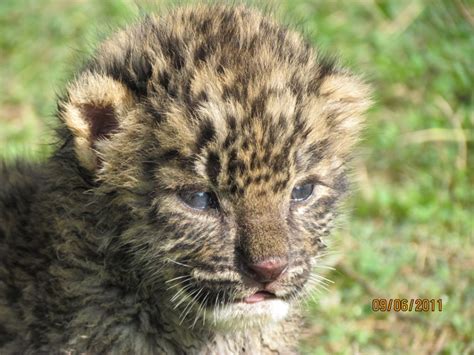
(347, 99)
(92, 110)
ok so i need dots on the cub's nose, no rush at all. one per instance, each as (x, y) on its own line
(269, 270)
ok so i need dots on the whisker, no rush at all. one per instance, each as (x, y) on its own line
(190, 306)
(177, 262)
(203, 309)
(176, 278)
(216, 304)
(324, 267)
(177, 295)
(180, 283)
(198, 312)
(322, 285)
(319, 277)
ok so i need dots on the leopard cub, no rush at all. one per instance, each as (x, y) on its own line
(202, 157)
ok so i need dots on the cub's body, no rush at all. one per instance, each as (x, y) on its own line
(202, 156)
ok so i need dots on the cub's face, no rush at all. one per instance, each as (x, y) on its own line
(231, 157)
(241, 208)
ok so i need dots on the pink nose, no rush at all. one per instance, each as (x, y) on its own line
(269, 270)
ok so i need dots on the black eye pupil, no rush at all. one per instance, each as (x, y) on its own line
(302, 192)
(199, 200)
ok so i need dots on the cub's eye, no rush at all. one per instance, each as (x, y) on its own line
(302, 192)
(199, 200)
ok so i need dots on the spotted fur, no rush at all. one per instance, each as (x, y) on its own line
(98, 252)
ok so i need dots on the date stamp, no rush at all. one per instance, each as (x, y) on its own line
(407, 305)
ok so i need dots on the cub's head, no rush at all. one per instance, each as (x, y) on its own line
(226, 137)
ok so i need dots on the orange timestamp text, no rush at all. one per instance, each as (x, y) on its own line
(407, 305)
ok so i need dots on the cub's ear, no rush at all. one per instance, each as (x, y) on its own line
(347, 98)
(92, 110)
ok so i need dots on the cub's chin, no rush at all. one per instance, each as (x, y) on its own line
(258, 310)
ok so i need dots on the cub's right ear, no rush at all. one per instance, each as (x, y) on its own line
(92, 110)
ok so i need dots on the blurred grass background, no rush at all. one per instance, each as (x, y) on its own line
(410, 232)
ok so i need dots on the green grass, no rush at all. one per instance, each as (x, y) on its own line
(410, 232)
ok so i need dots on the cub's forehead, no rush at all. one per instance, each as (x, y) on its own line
(233, 109)
(255, 144)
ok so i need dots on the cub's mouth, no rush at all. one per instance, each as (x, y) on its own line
(259, 296)
(233, 300)
(233, 307)
(259, 308)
